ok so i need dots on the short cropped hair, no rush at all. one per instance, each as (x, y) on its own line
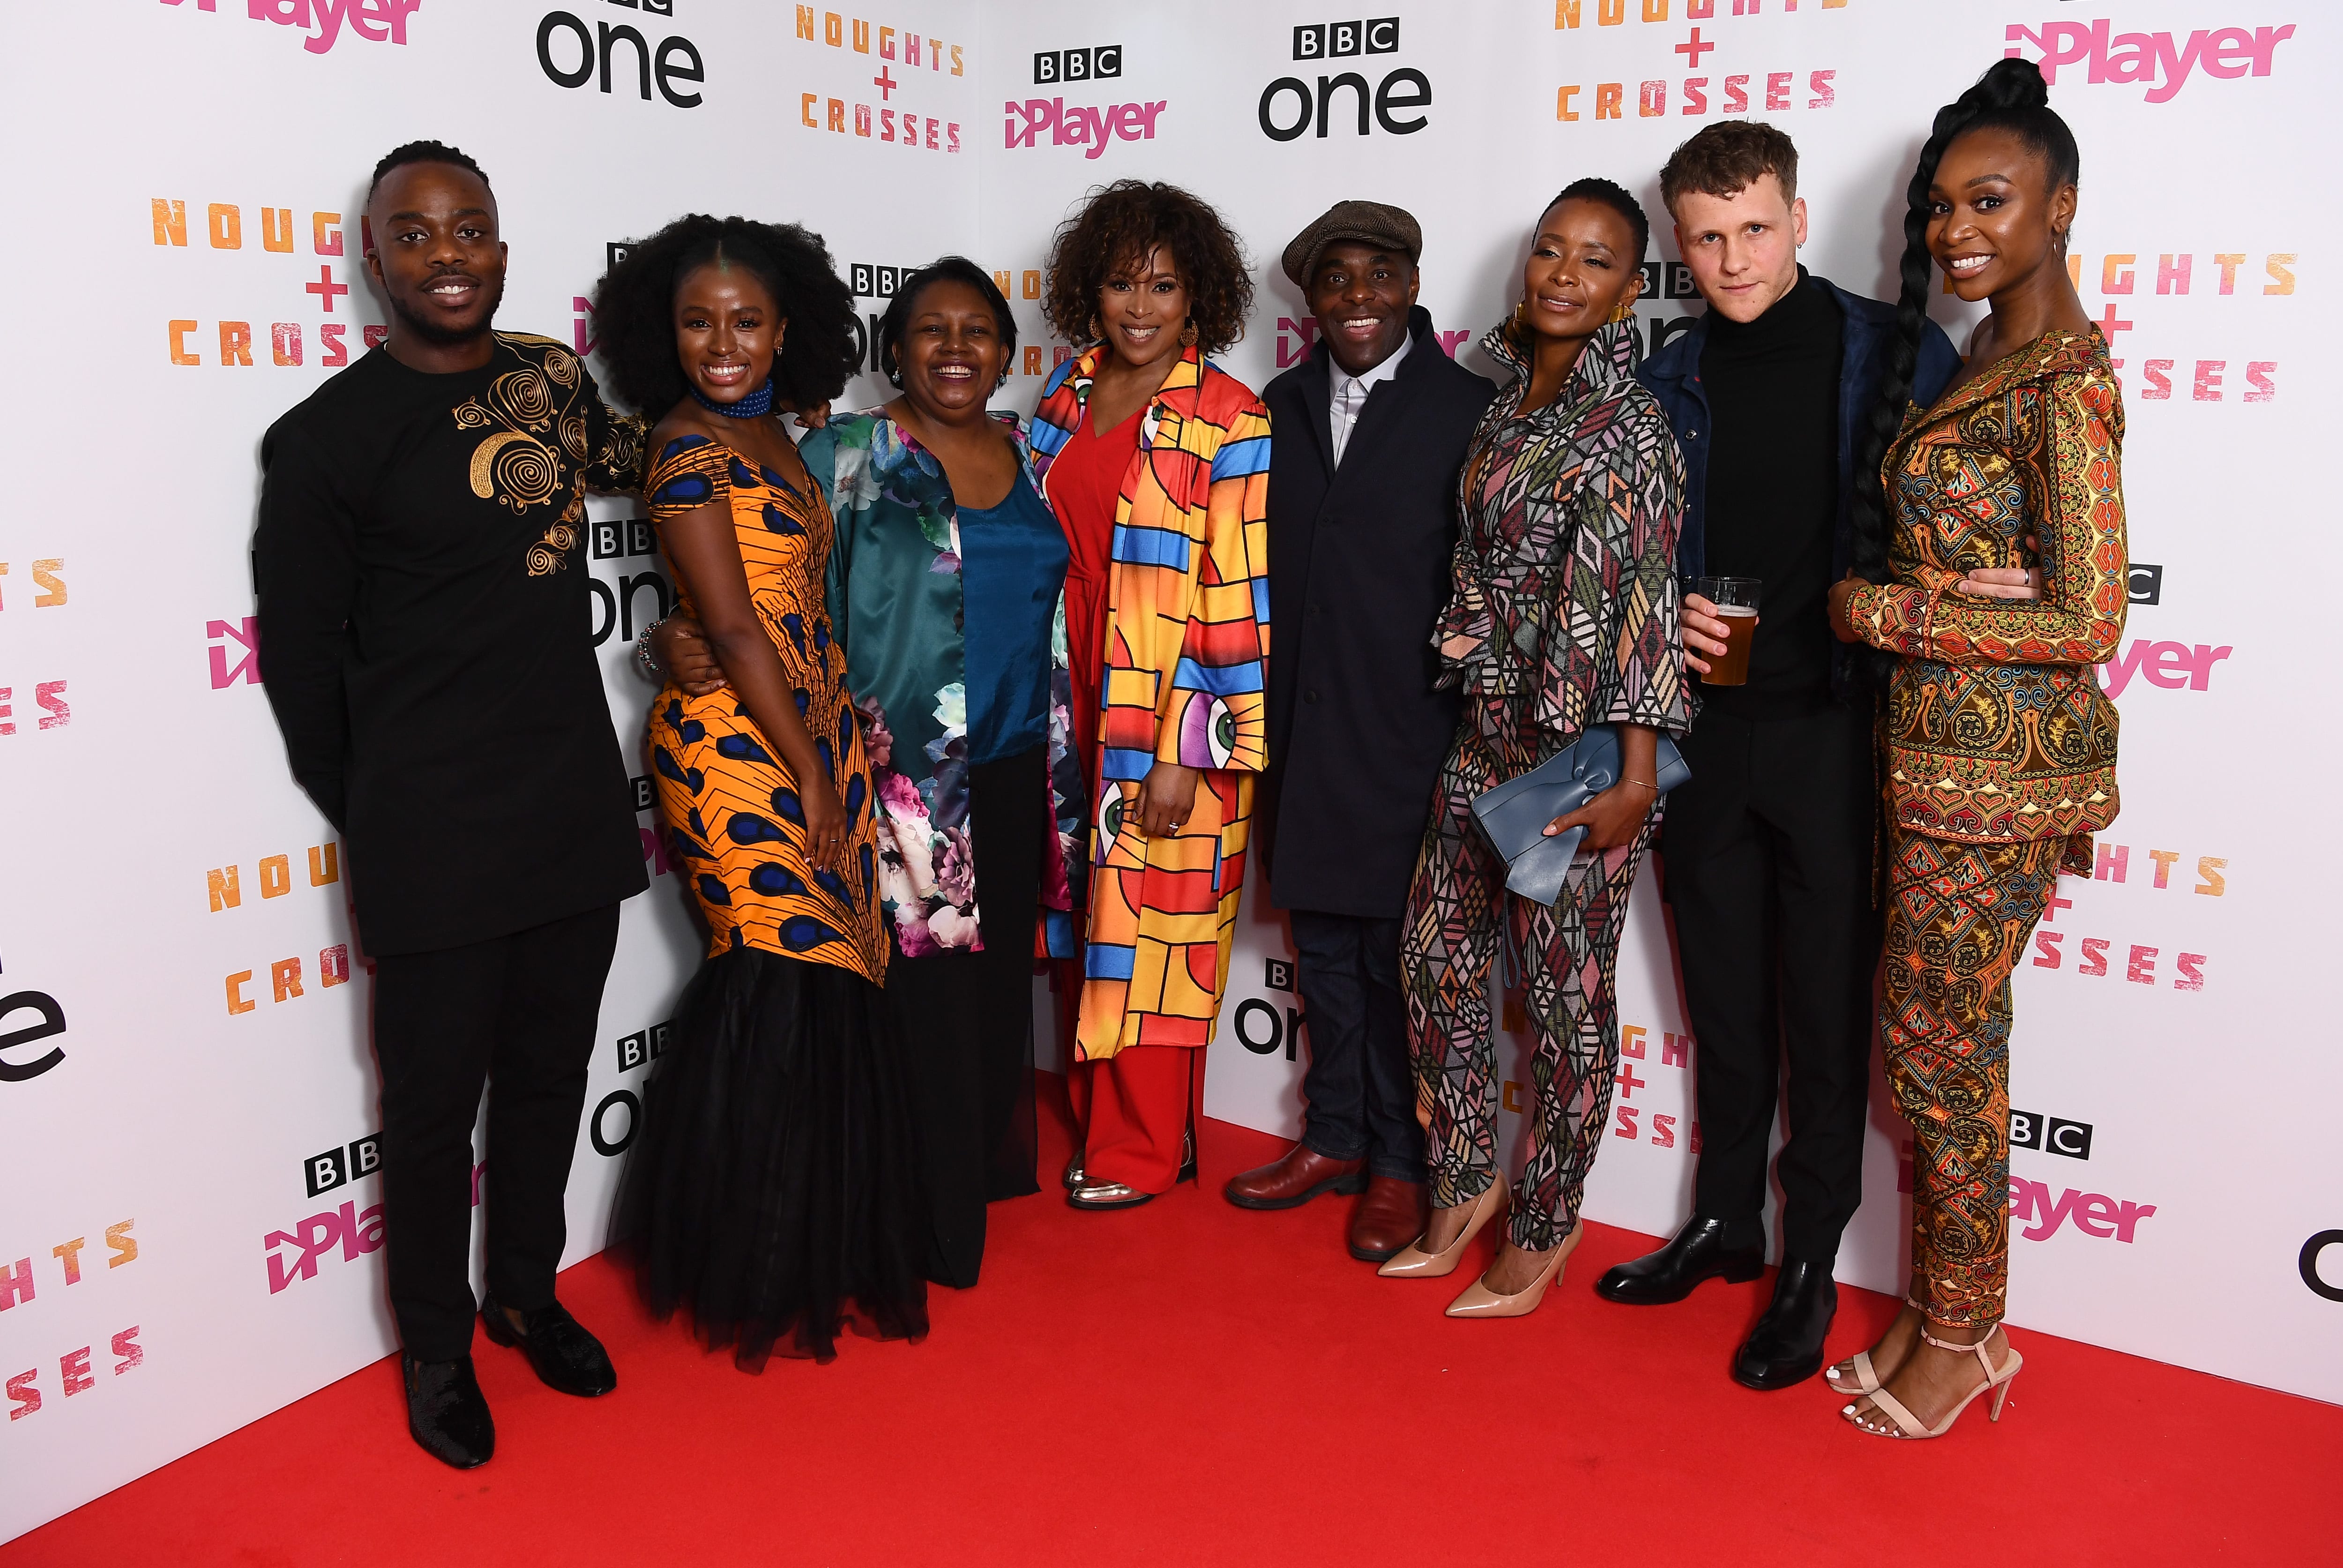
(424, 153)
(1728, 157)
(1611, 193)
(943, 269)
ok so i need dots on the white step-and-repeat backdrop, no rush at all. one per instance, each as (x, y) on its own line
(191, 1234)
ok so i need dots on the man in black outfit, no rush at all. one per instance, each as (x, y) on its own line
(422, 577)
(1370, 432)
(1767, 852)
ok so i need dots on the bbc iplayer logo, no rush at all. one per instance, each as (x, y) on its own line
(2049, 1135)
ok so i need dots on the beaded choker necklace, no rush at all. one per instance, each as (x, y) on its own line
(754, 406)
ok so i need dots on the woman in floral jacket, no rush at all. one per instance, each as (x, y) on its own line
(952, 617)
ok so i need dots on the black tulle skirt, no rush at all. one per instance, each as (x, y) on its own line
(773, 1190)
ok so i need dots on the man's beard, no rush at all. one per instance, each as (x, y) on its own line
(433, 332)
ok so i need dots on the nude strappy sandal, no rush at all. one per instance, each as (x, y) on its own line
(1908, 1425)
(1868, 1375)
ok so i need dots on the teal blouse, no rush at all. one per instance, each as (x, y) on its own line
(1013, 559)
(895, 593)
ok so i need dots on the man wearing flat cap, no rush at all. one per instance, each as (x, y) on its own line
(1369, 434)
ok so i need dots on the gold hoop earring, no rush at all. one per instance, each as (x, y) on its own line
(1188, 336)
(1521, 317)
(1098, 333)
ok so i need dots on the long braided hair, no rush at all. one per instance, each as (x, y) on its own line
(2010, 97)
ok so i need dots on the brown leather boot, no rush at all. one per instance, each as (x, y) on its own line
(1295, 1177)
(1392, 1214)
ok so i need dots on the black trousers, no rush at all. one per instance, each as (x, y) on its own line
(519, 1010)
(966, 1021)
(1767, 855)
(1359, 1084)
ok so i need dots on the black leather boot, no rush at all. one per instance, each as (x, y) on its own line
(1787, 1345)
(446, 1414)
(565, 1355)
(1698, 1252)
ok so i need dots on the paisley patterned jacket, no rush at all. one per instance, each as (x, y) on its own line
(1565, 580)
(1996, 731)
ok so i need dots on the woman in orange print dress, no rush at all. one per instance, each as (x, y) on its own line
(772, 1187)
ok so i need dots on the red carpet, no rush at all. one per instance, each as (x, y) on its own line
(1187, 1383)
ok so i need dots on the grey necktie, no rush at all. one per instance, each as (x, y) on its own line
(1349, 400)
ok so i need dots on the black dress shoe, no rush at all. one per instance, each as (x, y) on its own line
(1787, 1345)
(446, 1414)
(565, 1355)
(1698, 1252)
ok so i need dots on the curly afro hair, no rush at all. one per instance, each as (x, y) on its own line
(634, 309)
(1121, 223)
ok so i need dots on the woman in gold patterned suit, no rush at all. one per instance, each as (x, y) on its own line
(2000, 749)
(772, 1188)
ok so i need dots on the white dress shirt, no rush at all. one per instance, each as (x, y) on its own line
(1350, 394)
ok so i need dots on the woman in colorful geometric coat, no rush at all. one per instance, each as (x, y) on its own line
(1564, 615)
(1156, 462)
(1999, 748)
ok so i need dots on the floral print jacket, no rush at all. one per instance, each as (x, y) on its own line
(895, 605)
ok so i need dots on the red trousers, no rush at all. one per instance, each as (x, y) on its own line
(1134, 1111)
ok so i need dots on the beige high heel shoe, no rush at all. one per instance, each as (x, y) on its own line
(1413, 1263)
(1480, 1301)
(1908, 1425)
(1867, 1377)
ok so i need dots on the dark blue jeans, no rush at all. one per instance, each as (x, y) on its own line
(1360, 1092)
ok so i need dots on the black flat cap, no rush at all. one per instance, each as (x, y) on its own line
(1367, 222)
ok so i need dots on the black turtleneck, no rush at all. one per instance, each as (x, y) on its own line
(1772, 490)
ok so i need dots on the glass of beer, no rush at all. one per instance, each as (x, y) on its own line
(1736, 600)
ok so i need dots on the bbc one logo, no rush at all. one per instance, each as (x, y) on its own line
(571, 53)
(1292, 106)
(2162, 62)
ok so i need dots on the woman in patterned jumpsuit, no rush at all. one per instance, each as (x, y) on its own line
(1564, 615)
(2000, 746)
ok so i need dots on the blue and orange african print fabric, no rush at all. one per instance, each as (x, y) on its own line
(736, 829)
(1187, 635)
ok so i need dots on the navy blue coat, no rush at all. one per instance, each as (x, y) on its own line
(1673, 376)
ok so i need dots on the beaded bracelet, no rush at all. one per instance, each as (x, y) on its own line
(643, 659)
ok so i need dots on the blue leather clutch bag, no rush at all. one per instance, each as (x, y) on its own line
(1514, 814)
